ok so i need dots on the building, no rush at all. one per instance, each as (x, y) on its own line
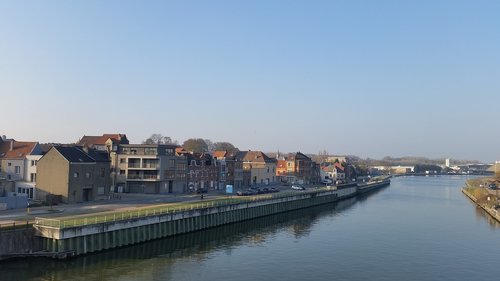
(18, 161)
(333, 172)
(231, 169)
(299, 168)
(202, 172)
(106, 142)
(333, 159)
(150, 168)
(109, 143)
(222, 170)
(262, 169)
(74, 174)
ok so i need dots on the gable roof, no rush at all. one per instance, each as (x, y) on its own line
(74, 154)
(220, 153)
(338, 166)
(19, 149)
(101, 140)
(255, 156)
(298, 155)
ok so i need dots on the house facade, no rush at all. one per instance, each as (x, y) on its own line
(231, 169)
(333, 172)
(18, 162)
(74, 174)
(150, 168)
(260, 167)
(297, 168)
(109, 143)
(202, 172)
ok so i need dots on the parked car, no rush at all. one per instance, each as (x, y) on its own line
(201, 190)
(273, 190)
(492, 186)
(298, 187)
(242, 193)
(252, 191)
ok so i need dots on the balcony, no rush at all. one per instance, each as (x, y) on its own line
(143, 176)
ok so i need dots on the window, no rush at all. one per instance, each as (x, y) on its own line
(88, 175)
(122, 172)
(122, 160)
(9, 164)
(76, 174)
(17, 169)
(33, 177)
(100, 190)
(33, 163)
(103, 172)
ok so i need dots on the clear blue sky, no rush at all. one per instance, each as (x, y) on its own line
(370, 78)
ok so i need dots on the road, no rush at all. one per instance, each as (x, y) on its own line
(126, 202)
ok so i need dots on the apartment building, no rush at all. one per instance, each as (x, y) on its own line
(150, 168)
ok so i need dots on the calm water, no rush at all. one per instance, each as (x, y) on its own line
(419, 228)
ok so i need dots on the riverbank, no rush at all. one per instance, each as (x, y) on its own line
(482, 197)
(96, 232)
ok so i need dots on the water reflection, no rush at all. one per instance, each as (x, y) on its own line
(482, 215)
(125, 263)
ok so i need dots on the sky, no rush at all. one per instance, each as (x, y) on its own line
(366, 78)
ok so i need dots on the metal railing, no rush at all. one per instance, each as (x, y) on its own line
(171, 208)
(15, 225)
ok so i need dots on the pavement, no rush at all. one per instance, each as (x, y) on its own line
(126, 201)
(121, 202)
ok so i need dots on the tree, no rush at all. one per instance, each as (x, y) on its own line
(159, 139)
(210, 145)
(195, 145)
(226, 146)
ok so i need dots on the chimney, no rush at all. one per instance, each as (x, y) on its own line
(11, 145)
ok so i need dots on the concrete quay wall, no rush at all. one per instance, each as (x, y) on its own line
(492, 212)
(18, 241)
(98, 237)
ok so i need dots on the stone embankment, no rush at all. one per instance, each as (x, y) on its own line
(491, 211)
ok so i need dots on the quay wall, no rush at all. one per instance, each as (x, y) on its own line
(492, 212)
(15, 242)
(97, 237)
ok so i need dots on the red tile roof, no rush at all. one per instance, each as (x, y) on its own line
(100, 140)
(220, 154)
(19, 149)
(339, 166)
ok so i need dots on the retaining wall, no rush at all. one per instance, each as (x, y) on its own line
(102, 236)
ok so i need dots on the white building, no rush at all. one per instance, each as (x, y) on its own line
(18, 162)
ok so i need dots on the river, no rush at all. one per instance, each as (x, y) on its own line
(418, 228)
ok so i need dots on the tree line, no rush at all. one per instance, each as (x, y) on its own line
(197, 145)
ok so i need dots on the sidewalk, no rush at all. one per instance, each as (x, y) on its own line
(128, 201)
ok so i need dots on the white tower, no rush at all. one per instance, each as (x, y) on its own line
(447, 163)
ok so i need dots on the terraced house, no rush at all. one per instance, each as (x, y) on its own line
(18, 161)
(262, 168)
(231, 169)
